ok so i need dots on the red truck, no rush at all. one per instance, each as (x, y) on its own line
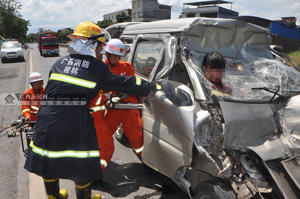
(48, 44)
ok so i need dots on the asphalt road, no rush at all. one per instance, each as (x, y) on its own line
(125, 172)
(12, 82)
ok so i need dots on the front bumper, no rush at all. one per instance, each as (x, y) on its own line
(7, 56)
(50, 51)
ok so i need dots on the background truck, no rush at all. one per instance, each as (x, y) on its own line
(48, 44)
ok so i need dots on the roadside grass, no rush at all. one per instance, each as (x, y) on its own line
(295, 55)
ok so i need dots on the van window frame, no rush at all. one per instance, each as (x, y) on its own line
(158, 60)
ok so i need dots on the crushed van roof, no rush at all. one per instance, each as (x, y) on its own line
(174, 25)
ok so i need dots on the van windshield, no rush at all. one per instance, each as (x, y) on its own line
(253, 79)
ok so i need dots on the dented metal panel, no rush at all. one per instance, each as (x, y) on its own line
(168, 131)
(291, 120)
(272, 149)
(247, 124)
(292, 167)
(288, 189)
(245, 138)
(232, 38)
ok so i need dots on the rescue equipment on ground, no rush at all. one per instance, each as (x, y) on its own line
(23, 129)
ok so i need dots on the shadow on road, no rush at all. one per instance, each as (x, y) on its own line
(129, 178)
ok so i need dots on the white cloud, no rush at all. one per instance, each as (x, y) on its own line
(57, 14)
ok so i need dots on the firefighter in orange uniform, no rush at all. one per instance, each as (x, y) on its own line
(32, 97)
(130, 118)
(97, 107)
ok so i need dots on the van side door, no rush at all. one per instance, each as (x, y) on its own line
(167, 125)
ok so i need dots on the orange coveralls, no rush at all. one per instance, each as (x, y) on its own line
(130, 118)
(31, 103)
(104, 134)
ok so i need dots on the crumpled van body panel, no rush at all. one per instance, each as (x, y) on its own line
(246, 144)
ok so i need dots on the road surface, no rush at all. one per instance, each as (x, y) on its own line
(125, 172)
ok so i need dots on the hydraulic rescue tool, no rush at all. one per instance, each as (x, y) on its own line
(21, 127)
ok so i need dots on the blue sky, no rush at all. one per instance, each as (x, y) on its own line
(58, 14)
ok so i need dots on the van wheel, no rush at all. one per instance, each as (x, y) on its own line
(120, 135)
(214, 190)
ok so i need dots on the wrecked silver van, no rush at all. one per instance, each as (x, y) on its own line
(246, 145)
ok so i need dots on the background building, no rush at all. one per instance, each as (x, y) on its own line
(149, 10)
(210, 9)
(282, 35)
(113, 15)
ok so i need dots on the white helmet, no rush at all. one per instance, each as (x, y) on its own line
(116, 47)
(34, 77)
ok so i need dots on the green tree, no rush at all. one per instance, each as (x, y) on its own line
(62, 36)
(32, 37)
(105, 23)
(12, 25)
(41, 31)
(123, 17)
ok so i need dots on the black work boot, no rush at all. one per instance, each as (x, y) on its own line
(52, 189)
(83, 190)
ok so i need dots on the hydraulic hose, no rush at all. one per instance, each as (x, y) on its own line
(15, 123)
(5, 128)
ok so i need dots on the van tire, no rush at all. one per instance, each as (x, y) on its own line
(214, 190)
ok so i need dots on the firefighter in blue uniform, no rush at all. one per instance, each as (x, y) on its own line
(65, 144)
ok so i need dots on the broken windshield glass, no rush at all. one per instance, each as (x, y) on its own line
(244, 75)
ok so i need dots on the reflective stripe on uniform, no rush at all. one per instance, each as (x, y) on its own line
(83, 186)
(99, 99)
(72, 80)
(50, 180)
(64, 154)
(158, 87)
(98, 108)
(138, 81)
(25, 110)
(33, 111)
(139, 150)
(103, 163)
(35, 108)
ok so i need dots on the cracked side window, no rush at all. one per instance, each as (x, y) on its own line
(146, 55)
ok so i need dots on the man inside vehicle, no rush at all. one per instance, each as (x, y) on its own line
(213, 66)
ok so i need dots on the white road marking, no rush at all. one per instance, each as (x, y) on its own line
(36, 184)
